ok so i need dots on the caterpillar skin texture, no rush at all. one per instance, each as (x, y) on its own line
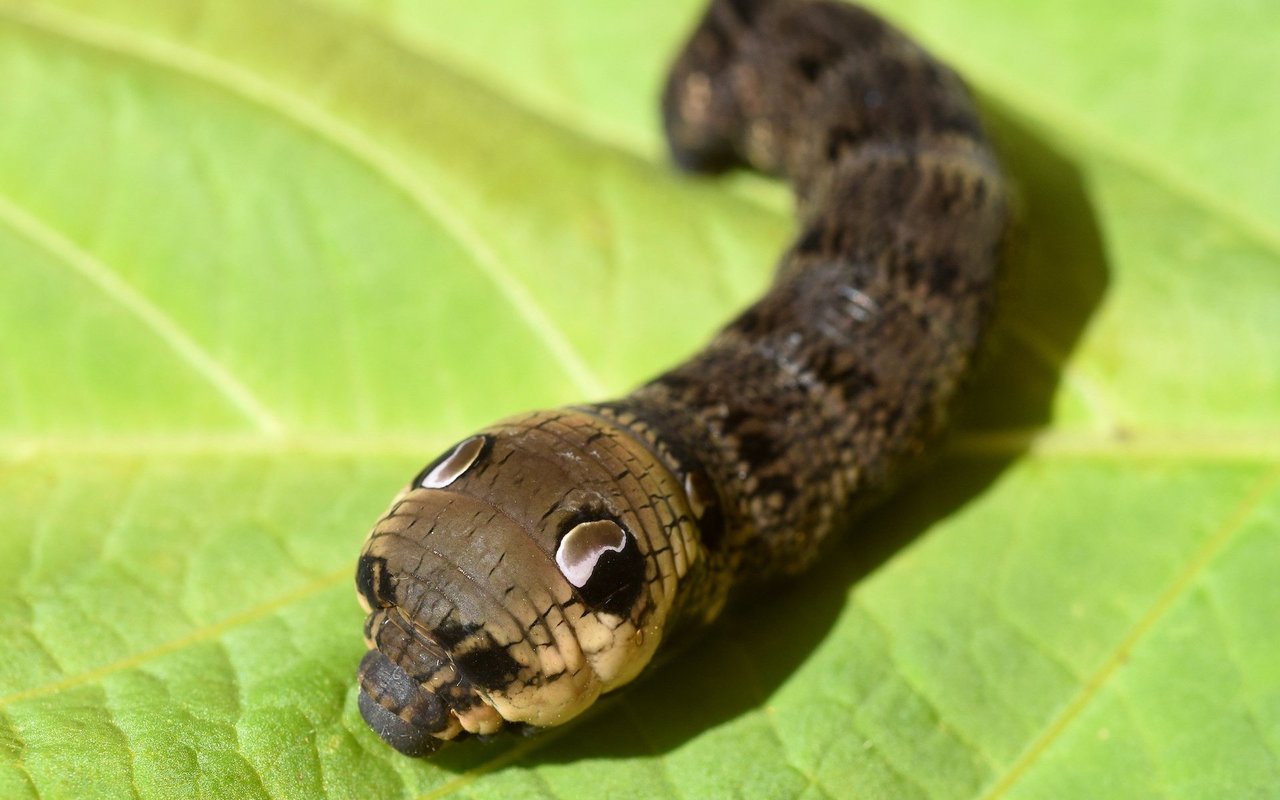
(541, 562)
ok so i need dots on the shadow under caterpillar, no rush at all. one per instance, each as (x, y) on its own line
(542, 561)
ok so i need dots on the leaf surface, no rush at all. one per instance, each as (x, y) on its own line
(259, 261)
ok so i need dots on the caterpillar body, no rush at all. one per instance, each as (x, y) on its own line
(542, 561)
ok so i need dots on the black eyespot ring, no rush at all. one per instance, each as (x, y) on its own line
(617, 578)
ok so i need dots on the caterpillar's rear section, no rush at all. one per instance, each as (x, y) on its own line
(824, 392)
(541, 562)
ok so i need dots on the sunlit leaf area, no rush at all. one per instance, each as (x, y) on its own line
(262, 259)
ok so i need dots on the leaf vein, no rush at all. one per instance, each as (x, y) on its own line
(312, 118)
(206, 633)
(124, 294)
(1181, 584)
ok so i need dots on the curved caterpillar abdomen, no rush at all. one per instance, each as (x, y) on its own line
(542, 561)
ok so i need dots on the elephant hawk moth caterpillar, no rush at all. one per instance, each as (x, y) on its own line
(542, 561)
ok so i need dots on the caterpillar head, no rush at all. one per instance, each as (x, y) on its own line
(524, 572)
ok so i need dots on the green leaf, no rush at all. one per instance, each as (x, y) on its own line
(259, 260)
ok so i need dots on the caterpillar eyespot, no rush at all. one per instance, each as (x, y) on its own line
(446, 469)
(541, 562)
(581, 549)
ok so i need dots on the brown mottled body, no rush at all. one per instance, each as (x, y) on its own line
(542, 562)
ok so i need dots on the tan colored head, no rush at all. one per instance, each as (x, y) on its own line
(526, 571)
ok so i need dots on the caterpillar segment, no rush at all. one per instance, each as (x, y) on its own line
(543, 561)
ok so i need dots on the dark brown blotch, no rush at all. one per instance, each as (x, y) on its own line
(451, 634)
(373, 581)
(488, 666)
(705, 503)
(809, 67)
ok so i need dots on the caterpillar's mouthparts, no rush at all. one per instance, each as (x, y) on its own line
(413, 694)
(400, 709)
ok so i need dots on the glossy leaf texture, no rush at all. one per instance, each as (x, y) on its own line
(260, 260)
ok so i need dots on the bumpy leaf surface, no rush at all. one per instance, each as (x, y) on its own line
(261, 259)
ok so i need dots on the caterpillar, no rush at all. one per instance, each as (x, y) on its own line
(542, 562)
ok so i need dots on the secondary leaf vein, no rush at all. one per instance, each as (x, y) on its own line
(1260, 490)
(314, 119)
(205, 633)
(109, 282)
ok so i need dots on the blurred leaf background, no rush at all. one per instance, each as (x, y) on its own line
(260, 259)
